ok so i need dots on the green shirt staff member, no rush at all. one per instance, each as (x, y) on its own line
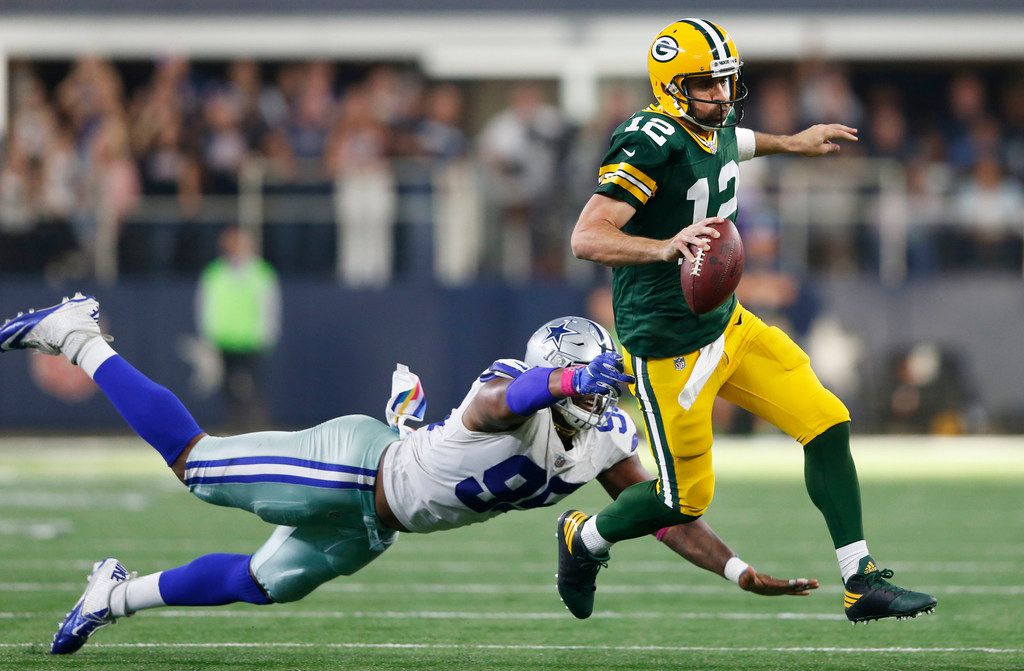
(238, 310)
(671, 170)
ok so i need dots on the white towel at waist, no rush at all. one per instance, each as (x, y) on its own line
(703, 367)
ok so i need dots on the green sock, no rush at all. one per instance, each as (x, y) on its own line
(831, 479)
(638, 511)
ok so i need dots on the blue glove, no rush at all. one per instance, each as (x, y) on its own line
(601, 376)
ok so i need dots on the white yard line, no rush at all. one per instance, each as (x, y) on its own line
(878, 457)
(545, 648)
(426, 565)
(40, 530)
(13, 497)
(497, 588)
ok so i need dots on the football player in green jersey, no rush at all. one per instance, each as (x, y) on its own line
(671, 171)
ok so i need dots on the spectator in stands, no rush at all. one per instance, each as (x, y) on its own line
(887, 133)
(616, 104)
(224, 143)
(521, 151)
(968, 103)
(990, 211)
(439, 133)
(365, 198)
(456, 188)
(1013, 114)
(33, 122)
(238, 308)
(19, 209)
(311, 112)
(980, 140)
(775, 108)
(825, 94)
(90, 92)
(245, 91)
(280, 164)
(394, 96)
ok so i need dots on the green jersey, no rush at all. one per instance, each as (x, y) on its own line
(673, 178)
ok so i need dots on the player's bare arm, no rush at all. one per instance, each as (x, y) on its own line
(698, 543)
(598, 236)
(489, 411)
(817, 140)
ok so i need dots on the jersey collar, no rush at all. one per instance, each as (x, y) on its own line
(710, 145)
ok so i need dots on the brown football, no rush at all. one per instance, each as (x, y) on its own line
(715, 273)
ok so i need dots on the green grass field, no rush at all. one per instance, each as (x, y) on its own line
(947, 516)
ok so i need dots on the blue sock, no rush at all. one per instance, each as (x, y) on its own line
(211, 580)
(151, 410)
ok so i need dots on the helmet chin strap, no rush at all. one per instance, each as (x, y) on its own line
(695, 122)
(684, 115)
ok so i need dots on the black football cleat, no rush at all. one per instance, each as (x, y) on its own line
(577, 567)
(870, 596)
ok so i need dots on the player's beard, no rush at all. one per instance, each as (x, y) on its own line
(715, 117)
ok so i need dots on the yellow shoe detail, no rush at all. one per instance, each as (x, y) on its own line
(572, 524)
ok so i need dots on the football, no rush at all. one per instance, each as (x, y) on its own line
(715, 273)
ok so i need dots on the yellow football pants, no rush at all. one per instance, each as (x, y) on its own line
(762, 371)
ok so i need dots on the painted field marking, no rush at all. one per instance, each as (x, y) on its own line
(448, 566)
(543, 648)
(40, 530)
(878, 457)
(473, 615)
(59, 498)
(497, 588)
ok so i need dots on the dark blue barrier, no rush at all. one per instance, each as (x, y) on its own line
(336, 353)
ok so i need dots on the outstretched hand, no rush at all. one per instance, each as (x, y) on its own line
(818, 140)
(601, 376)
(766, 585)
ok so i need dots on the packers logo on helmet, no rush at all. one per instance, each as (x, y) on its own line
(696, 48)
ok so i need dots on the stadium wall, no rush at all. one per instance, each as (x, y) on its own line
(339, 346)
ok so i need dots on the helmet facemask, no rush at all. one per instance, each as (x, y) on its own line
(678, 91)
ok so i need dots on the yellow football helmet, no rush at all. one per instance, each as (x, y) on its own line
(695, 48)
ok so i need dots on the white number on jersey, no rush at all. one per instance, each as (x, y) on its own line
(657, 129)
(699, 193)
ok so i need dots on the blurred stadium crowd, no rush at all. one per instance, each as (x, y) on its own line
(357, 171)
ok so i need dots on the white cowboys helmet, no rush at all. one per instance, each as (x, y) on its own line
(564, 342)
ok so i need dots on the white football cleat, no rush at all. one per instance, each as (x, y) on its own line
(92, 610)
(59, 329)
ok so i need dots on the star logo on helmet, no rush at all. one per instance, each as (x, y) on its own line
(556, 333)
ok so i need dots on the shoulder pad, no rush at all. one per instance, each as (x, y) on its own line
(509, 369)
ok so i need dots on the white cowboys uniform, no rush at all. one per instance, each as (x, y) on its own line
(444, 476)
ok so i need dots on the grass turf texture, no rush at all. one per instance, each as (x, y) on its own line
(945, 515)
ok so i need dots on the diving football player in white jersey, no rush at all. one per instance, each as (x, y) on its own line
(527, 434)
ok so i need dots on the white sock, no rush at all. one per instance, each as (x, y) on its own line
(849, 557)
(136, 594)
(91, 355)
(592, 539)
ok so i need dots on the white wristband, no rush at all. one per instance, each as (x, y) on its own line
(734, 568)
(746, 144)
